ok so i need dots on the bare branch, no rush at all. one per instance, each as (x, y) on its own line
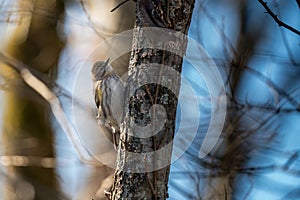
(278, 21)
(298, 2)
(120, 4)
(55, 104)
(276, 88)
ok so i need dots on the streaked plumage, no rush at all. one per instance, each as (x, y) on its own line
(108, 92)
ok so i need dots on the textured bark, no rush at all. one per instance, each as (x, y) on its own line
(148, 184)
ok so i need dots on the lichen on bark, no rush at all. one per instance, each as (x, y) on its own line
(141, 174)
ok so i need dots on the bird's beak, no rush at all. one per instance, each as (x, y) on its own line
(106, 62)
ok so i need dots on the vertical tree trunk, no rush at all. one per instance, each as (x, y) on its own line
(141, 173)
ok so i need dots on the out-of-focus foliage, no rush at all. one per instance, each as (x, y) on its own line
(257, 155)
(27, 133)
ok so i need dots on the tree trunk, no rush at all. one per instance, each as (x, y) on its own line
(144, 153)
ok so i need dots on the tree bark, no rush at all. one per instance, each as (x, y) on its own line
(140, 174)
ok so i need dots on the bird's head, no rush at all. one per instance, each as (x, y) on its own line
(100, 70)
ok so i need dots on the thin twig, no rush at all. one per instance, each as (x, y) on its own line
(102, 34)
(281, 92)
(218, 28)
(120, 4)
(278, 21)
(285, 41)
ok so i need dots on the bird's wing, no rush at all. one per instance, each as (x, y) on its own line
(97, 93)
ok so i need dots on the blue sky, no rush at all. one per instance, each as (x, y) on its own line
(277, 58)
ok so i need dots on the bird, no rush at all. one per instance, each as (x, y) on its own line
(108, 96)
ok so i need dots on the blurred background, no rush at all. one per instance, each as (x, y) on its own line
(51, 150)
